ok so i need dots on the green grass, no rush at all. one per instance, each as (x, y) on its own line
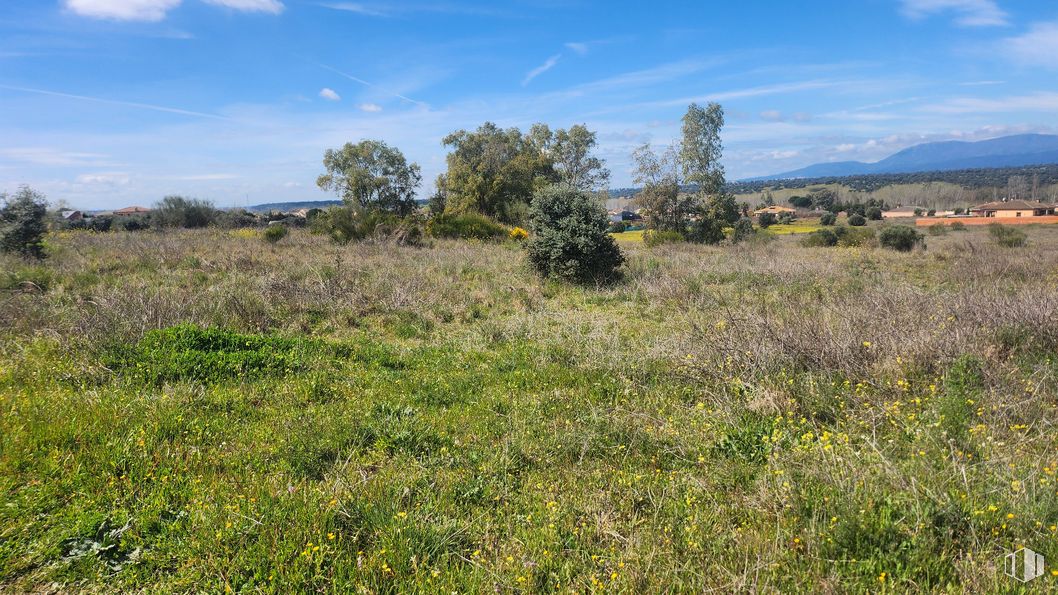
(191, 412)
(629, 237)
(797, 227)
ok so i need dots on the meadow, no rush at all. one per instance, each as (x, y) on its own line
(202, 411)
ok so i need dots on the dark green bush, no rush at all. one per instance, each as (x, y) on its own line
(857, 220)
(22, 222)
(274, 233)
(958, 226)
(742, 230)
(653, 238)
(618, 227)
(570, 237)
(899, 237)
(938, 229)
(821, 238)
(468, 226)
(766, 220)
(874, 214)
(828, 219)
(1007, 236)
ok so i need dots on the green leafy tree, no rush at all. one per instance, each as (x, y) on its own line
(742, 230)
(828, 219)
(766, 220)
(22, 222)
(660, 176)
(495, 172)
(571, 239)
(899, 237)
(371, 175)
(571, 151)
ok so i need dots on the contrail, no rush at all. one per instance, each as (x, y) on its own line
(373, 86)
(157, 108)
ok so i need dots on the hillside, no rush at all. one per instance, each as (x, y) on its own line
(1008, 151)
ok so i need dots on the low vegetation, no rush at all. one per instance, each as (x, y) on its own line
(184, 411)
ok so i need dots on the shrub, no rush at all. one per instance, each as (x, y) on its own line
(518, 234)
(766, 220)
(938, 229)
(467, 226)
(820, 238)
(1007, 236)
(857, 220)
(874, 214)
(653, 237)
(851, 238)
(22, 222)
(707, 229)
(958, 226)
(274, 233)
(344, 225)
(571, 238)
(786, 218)
(742, 230)
(618, 227)
(899, 237)
(191, 213)
(828, 219)
(931, 212)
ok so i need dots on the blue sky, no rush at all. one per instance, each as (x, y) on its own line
(106, 103)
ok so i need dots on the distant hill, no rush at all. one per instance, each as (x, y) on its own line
(1008, 151)
(292, 206)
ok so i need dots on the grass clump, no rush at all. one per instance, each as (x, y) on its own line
(274, 233)
(209, 355)
(1006, 236)
(466, 226)
(654, 238)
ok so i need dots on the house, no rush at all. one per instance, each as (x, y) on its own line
(129, 211)
(1013, 209)
(71, 215)
(775, 210)
(617, 215)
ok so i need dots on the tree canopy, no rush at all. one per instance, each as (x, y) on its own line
(371, 175)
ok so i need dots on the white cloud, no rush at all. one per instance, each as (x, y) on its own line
(1038, 47)
(104, 179)
(269, 6)
(970, 13)
(547, 65)
(370, 107)
(772, 116)
(133, 104)
(356, 7)
(123, 10)
(330, 94)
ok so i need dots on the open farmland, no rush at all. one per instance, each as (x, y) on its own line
(198, 410)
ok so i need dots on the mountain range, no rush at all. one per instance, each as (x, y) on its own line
(1008, 151)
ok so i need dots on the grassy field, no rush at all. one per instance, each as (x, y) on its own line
(200, 411)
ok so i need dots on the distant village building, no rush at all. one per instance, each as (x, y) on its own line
(129, 211)
(1013, 208)
(904, 212)
(71, 215)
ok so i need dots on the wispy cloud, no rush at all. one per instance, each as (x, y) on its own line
(969, 13)
(370, 107)
(123, 10)
(133, 104)
(358, 8)
(373, 85)
(157, 10)
(547, 65)
(330, 94)
(1036, 102)
(1037, 47)
(269, 6)
(578, 47)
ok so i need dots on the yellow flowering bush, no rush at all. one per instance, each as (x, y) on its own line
(518, 234)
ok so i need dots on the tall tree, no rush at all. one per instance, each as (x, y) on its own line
(660, 176)
(571, 151)
(494, 171)
(701, 148)
(371, 175)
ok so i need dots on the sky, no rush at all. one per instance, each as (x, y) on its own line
(110, 103)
